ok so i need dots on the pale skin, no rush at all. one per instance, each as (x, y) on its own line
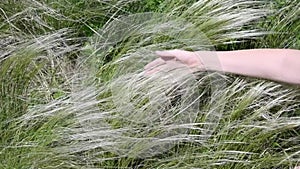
(282, 65)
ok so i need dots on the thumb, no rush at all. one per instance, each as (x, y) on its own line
(179, 55)
(166, 55)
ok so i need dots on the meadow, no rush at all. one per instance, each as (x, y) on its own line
(73, 93)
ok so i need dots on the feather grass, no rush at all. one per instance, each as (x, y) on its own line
(102, 111)
(283, 27)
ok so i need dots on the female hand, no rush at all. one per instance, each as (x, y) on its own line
(175, 59)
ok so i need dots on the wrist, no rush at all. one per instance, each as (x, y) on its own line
(209, 60)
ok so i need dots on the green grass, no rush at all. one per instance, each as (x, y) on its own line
(72, 92)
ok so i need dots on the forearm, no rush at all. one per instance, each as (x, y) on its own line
(274, 64)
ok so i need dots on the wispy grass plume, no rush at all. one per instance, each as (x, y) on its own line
(73, 101)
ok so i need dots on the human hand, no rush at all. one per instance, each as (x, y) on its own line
(175, 59)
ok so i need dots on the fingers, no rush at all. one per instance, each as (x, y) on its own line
(166, 55)
(154, 64)
(159, 64)
(170, 53)
(166, 67)
(149, 72)
(171, 58)
(177, 55)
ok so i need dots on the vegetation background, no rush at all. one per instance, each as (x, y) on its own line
(72, 95)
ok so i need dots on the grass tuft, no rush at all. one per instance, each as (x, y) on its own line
(74, 94)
